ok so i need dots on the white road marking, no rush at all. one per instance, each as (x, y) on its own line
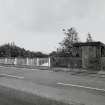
(18, 77)
(22, 68)
(80, 86)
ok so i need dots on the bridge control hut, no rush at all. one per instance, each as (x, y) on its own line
(93, 54)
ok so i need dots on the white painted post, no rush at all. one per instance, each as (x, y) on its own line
(5, 61)
(37, 62)
(15, 61)
(27, 62)
(49, 62)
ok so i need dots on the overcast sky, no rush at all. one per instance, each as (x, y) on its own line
(37, 24)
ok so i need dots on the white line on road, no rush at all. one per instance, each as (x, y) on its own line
(22, 68)
(18, 77)
(80, 86)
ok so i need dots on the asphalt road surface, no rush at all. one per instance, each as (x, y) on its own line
(85, 90)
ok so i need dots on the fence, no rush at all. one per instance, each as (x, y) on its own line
(26, 61)
(71, 62)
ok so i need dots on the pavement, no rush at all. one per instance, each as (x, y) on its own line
(75, 89)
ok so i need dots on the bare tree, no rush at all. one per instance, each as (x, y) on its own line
(71, 37)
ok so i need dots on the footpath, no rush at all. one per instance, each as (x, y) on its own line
(72, 71)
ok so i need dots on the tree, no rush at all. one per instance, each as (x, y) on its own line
(89, 38)
(71, 37)
(11, 50)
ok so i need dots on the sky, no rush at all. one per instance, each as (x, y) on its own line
(37, 25)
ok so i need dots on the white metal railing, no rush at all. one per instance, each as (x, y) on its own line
(26, 61)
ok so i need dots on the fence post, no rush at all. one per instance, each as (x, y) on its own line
(49, 62)
(37, 62)
(15, 61)
(5, 62)
(27, 61)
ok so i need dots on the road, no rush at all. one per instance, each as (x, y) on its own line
(56, 85)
